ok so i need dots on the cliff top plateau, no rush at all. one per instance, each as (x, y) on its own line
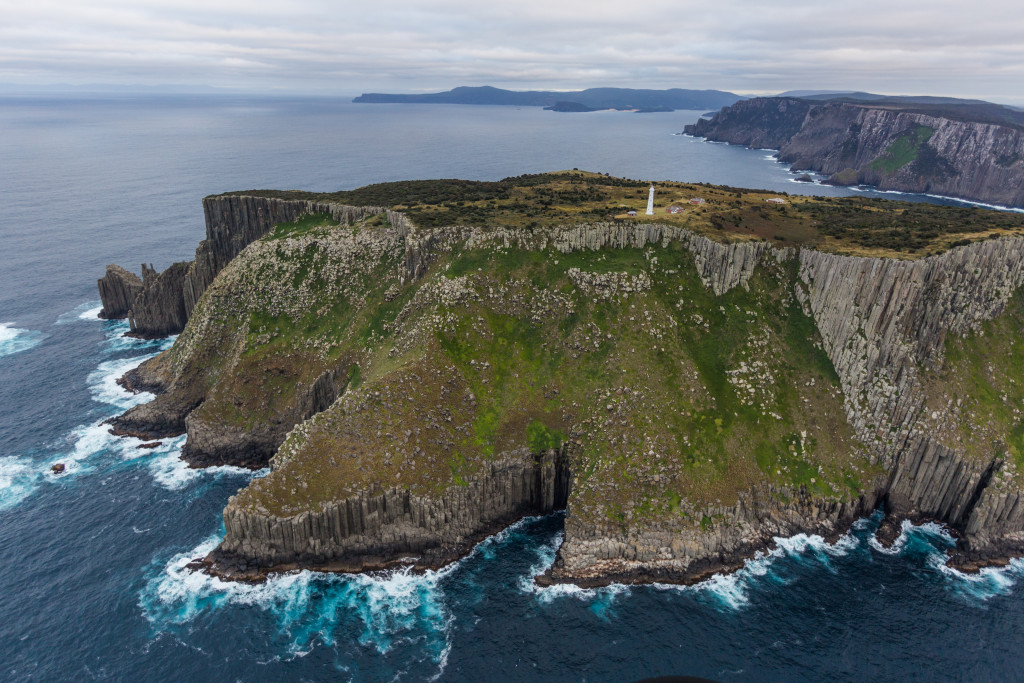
(843, 225)
(686, 387)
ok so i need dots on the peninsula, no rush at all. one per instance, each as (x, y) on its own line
(591, 99)
(422, 363)
(968, 149)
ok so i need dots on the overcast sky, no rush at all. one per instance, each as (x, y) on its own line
(940, 47)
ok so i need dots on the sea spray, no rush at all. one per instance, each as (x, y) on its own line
(170, 471)
(88, 311)
(15, 340)
(18, 478)
(80, 449)
(382, 611)
(928, 545)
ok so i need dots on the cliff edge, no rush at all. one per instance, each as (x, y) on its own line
(975, 154)
(684, 399)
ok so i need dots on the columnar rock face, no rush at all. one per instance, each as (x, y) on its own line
(596, 556)
(160, 304)
(893, 148)
(159, 309)
(233, 222)
(118, 290)
(883, 324)
(376, 527)
(882, 321)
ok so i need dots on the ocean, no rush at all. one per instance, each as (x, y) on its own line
(93, 583)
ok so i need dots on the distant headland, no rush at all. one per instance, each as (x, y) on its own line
(969, 149)
(591, 99)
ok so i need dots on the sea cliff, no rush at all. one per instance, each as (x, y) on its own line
(684, 399)
(159, 304)
(905, 148)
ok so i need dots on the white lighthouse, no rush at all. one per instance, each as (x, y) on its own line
(650, 201)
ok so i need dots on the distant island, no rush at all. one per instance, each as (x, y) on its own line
(959, 148)
(591, 99)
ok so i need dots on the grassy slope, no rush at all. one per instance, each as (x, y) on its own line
(501, 349)
(978, 393)
(281, 316)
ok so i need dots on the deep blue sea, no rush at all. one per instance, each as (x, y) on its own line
(92, 577)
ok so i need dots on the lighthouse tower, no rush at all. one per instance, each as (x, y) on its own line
(650, 201)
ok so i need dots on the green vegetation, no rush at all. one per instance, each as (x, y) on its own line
(677, 399)
(302, 226)
(852, 225)
(982, 383)
(674, 400)
(859, 226)
(903, 150)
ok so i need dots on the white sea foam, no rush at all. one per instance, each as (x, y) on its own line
(18, 478)
(934, 542)
(90, 310)
(15, 340)
(79, 448)
(600, 599)
(170, 471)
(104, 388)
(732, 591)
(391, 608)
(956, 200)
(988, 583)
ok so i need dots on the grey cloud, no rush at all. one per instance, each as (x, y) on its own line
(311, 45)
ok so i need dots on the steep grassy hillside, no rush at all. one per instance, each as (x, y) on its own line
(415, 388)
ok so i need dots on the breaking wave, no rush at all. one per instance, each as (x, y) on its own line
(925, 545)
(382, 611)
(85, 447)
(90, 310)
(14, 339)
(956, 200)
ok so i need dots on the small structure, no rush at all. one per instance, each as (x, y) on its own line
(675, 209)
(697, 200)
(650, 201)
(631, 213)
(775, 200)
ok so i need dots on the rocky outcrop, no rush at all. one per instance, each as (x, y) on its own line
(161, 418)
(319, 395)
(152, 376)
(376, 528)
(159, 305)
(249, 446)
(159, 310)
(233, 222)
(909, 149)
(760, 122)
(118, 290)
(882, 323)
(593, 556)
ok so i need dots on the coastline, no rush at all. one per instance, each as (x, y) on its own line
(886, 534)
(792, 169)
